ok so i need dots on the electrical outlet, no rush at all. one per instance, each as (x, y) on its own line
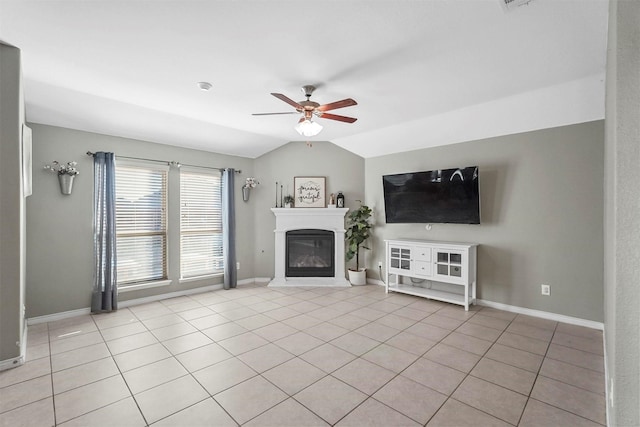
(379, 264)
(237, 266)
(546, 289)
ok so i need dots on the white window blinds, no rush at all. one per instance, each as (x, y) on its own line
(141, 223)
(200, 223)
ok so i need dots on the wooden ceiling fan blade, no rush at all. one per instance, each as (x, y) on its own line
(288, 100)
(338, 118)
(273, 114)
(338, 104)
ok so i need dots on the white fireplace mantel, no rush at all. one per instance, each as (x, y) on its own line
(330, 219)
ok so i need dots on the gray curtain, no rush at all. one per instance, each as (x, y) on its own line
(229, 229)
(105, 288)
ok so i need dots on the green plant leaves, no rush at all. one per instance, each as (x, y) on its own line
(357, 232)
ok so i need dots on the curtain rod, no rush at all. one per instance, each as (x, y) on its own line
(170, 163)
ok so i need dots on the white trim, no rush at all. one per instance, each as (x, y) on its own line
(160, 297)
(529, 312)
(23, 343)
(543, 314)
(146, 285)
(132, 302)
(21, 359)
(335, 282)
(199, 278)
(511, 308)
(316, 218)
(12, 363)
(58, 316)
(607, 382)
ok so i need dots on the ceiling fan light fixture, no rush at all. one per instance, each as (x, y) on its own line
(308, 128)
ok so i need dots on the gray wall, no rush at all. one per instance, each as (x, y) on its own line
(541, 215)
(60, 228)
(622, 205)
(344, 172)
(12, 224)
(541, 199)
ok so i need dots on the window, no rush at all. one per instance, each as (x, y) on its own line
(200, 224)
(141, 222)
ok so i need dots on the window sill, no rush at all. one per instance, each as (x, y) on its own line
(200, 278)
(140, 286)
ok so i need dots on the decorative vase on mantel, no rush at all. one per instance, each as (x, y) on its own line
(288, 201)
(66, 183)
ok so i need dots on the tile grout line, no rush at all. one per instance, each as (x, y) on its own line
(53, 394)
(120, 370)
(353, 296)
(538, 375)
(468, 374)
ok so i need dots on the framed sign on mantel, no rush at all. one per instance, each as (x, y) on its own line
(309, 191)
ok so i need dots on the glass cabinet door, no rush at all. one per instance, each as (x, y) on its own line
(448, 264)
(400, 258)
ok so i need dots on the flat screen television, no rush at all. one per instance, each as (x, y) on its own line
(438, 196)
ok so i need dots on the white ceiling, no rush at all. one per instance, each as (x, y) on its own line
(424, 73)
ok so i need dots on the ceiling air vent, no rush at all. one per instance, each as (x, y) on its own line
(509, 5)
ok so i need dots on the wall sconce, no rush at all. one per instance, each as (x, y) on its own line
(246, 188)
(66, 174)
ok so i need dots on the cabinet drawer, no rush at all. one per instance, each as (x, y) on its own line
(422, 254)
(422, 268)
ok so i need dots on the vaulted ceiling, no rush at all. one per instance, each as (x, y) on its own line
(424, 73)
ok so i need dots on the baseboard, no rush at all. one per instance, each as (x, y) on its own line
(252, 281)
(528, 311)
(608, 405)
(11, 363)
(58, 316)
(511, 308)
(160, 297)
(543, 314)
(132, 302)
(193, 291)
(19, 360)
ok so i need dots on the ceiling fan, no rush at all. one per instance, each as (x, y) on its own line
(306, 126)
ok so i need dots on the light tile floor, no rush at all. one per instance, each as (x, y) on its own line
(258, 356)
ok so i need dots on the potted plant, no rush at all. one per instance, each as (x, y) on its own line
(288, 201)
(358, 227)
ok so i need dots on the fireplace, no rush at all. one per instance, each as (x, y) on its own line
(309, 253)
(309, 247)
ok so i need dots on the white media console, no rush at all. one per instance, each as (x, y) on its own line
(436, 266)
